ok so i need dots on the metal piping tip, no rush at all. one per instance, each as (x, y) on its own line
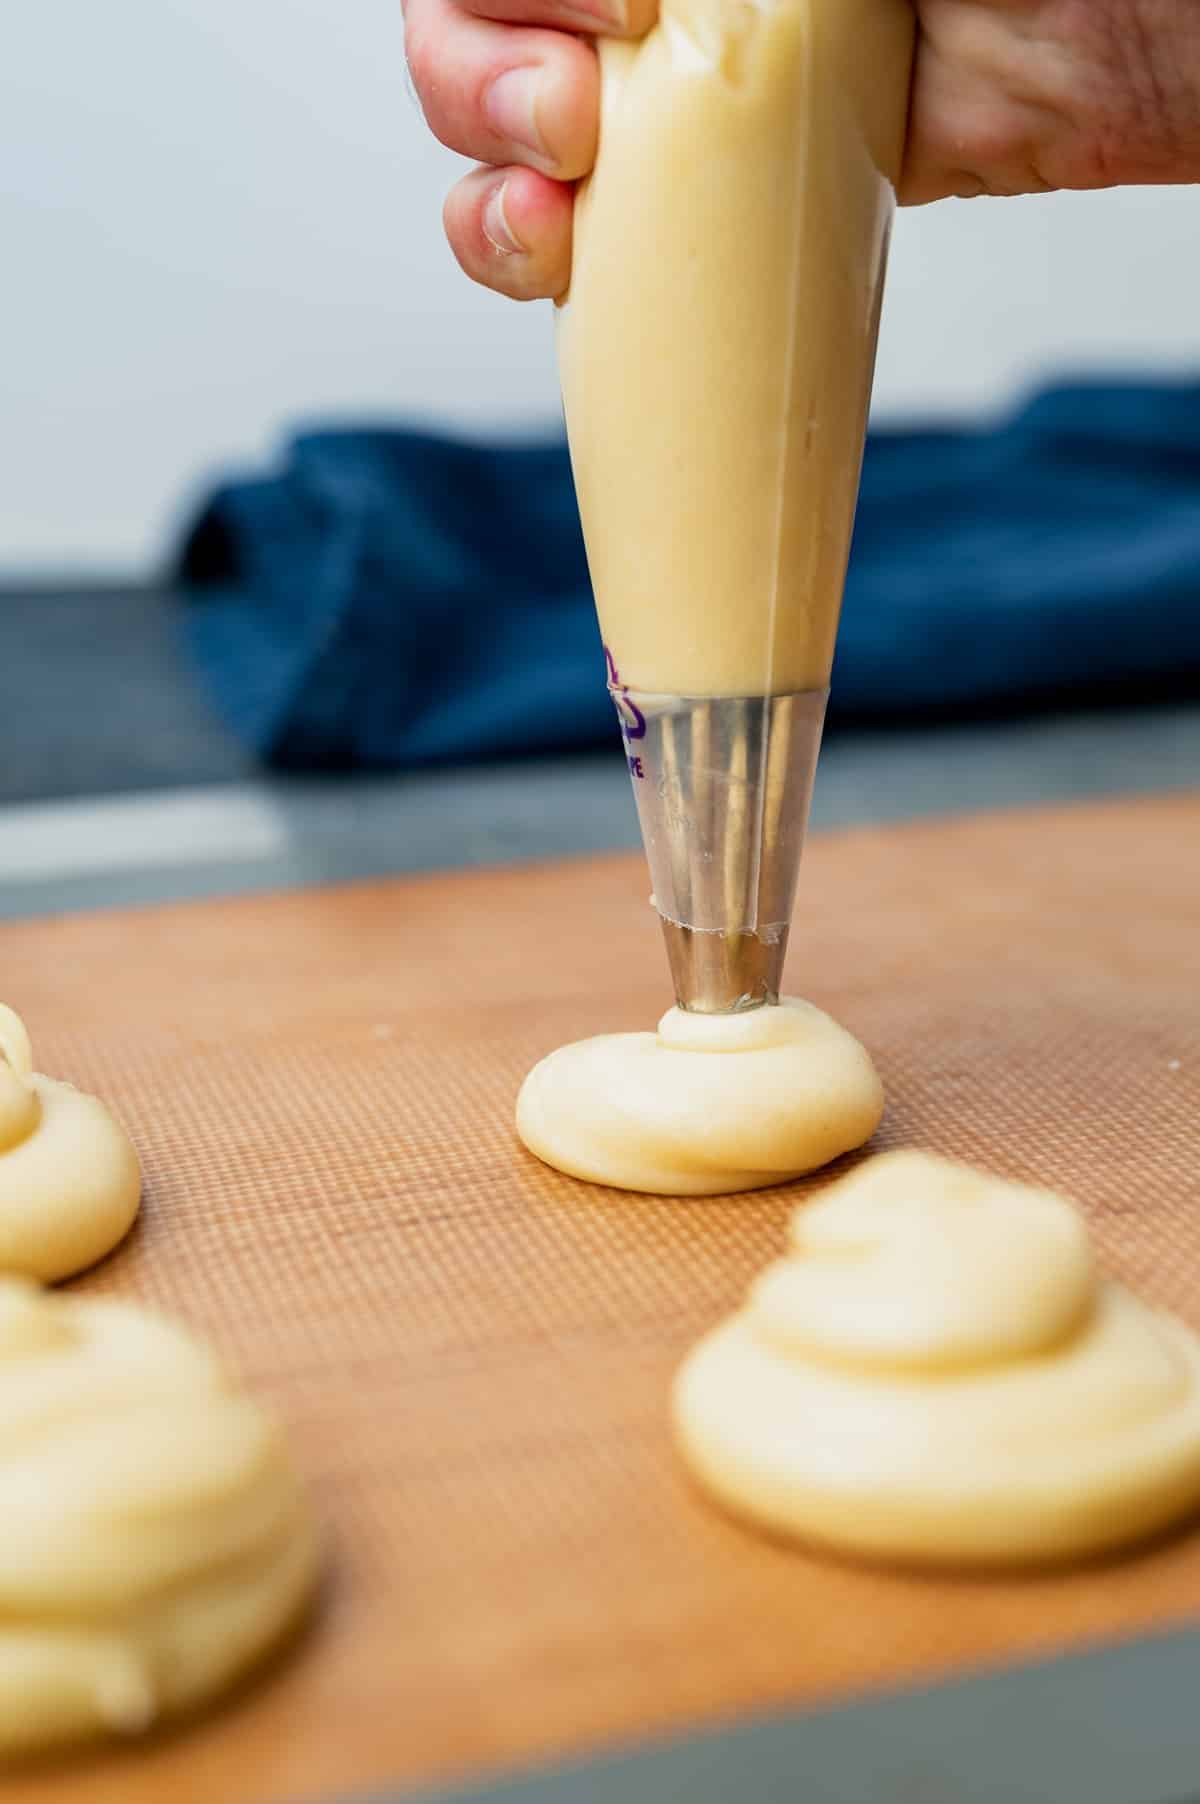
(724, 973)
(723, 787)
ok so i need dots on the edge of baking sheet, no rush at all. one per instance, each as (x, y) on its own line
(1120, 1725)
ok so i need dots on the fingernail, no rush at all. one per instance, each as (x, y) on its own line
(598, 15)
(511, 108)
(496, 228)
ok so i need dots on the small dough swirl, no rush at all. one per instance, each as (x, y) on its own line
(70, 1184)
(154, 1542)
(711, 1103)
(935, 1373)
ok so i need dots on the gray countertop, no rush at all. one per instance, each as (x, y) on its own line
(118, 783)
(256, 833)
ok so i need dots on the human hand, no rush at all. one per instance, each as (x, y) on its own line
(1028, 96)
(1009, 97)
(515, 84)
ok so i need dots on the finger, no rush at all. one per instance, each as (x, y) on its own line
(602, 18)
(929, 176)
(505, 94)
(927, 173)
(511, 230)
(971, 130)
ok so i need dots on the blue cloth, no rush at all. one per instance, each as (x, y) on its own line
(389, 598)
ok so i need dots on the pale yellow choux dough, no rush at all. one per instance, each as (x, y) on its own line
(718, 341)
(70, 1184)
(154, 1540)
(709, 1103)
(936, 1373)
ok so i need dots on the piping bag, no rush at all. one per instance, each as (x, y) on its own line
(716, 352)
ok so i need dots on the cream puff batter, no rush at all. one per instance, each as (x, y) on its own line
(936, 1373)
(70, 1184)
(709, 1103)
(718, 341)
(154, 1541)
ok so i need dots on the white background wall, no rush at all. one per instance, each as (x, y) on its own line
(218, 217)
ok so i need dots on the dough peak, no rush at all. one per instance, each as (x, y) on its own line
(915, 1261)
(935, 1372)
(154, 1540)
(70, 1183)
(708, 1104)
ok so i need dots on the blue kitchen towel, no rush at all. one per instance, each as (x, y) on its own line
(390, 598)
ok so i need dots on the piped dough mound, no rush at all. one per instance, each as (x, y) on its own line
(154, 1541)
(936, 1373)
(709, 1103)
(70, 1184)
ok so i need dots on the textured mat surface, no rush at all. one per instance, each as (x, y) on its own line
(474, 1353)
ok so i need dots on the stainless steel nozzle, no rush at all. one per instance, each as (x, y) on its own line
(720, 973)
(723, 788)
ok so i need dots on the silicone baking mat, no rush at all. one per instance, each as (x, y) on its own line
(474, 1353)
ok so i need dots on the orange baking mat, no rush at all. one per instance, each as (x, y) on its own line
(474, 1353)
